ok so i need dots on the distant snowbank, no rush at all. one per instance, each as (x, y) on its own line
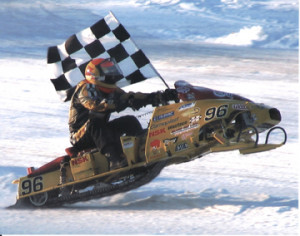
(268, 24)
(245, 37)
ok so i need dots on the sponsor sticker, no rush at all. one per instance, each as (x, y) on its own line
(155, 144)
(79, 160)
(154, 126)
(181, 147)
(186, 106)
(177, 125)
(195, 119)
(185, 129)
(184, 136)
(239, 107)
(128, 144)
(191, 96)
(157, 132)
(183, 89)
(163, 116)
(168, 141)
(191, 111)
(222, 94)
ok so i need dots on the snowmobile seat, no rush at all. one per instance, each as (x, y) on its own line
(74, 152)
(51, 166)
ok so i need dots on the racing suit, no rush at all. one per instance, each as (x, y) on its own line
(89, 115)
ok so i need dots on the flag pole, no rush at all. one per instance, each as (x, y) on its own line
(159, 76)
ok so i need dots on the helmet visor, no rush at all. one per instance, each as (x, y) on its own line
(110, 70)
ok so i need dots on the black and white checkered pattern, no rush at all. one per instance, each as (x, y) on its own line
(106, 38)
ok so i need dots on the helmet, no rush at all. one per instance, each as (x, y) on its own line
(103, 72)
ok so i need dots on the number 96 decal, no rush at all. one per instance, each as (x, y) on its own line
(32, 185)
(216, 112)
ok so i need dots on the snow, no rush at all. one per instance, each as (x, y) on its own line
(244, 37)
(203, 42)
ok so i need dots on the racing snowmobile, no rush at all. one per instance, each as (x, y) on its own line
(203, 121)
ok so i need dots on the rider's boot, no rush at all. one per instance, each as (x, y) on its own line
(116, 158)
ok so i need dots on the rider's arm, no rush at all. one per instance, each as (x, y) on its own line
(138, 100)
(94, 100)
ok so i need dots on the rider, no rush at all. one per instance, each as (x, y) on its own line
(95, 98)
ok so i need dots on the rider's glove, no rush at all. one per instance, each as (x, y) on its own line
(155, 98)
(170, 95)
(139, 100)
(136, 103)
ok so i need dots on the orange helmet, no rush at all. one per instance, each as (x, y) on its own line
(103, 72)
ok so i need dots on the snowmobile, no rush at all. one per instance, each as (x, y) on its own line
(203, 121)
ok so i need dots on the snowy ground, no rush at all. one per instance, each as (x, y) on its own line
(224, 193)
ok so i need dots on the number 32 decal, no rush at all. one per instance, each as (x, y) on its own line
(214, 112)
(32, 185)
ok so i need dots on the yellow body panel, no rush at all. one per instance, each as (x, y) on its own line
(29, 186)
(87, 165)
(174, 129)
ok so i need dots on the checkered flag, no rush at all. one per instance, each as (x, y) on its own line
(106, 38)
